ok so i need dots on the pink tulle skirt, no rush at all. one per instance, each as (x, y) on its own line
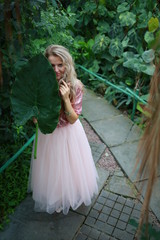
(64, 173)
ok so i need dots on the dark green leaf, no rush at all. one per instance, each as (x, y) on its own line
(148, 56)
(127, 19)
(116, 48)
(123, 7)
(153, 24)
(149, 37)
(35, 93)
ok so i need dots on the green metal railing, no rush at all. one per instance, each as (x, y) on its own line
(17, 154)
(126, 91)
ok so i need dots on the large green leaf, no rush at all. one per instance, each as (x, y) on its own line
(123, 7)
(101, 43)
(143, 19)
(36, 93)
(153, 24)
(149, 37)
(138, 65)
(148, 56)
(103, 27)
(116, 31)
(118, 70)
(127, 19)
(116, 48)
(155, 44)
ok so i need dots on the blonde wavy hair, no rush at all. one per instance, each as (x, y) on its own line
(70, 75)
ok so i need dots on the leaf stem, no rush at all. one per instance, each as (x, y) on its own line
(36, 141)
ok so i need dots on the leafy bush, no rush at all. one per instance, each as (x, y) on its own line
(115, 38)
(13, 183)
(30, 27)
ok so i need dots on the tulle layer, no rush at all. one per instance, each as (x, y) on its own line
(64, 174)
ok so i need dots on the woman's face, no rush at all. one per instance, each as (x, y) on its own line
(57, 65)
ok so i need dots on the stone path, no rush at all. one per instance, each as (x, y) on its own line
(113, 139)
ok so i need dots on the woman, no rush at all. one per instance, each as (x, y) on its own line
(64, 173)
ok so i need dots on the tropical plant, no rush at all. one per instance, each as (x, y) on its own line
(115, 40)
(40, 99)
(29, 28)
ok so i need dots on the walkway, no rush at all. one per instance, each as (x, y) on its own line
(113, 139)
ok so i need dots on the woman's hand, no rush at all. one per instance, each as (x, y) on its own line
(64, 90)
(34, 120)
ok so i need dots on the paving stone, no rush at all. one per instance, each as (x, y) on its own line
(118, 206)
(103, 176)
(90, 221)
(117, 233)
(101, 200)
(127, 210)
(119, 173)
(98, 206)
(134, 134)
(112, 221)
(121, 225)
(122, 235)
(124, 217)
(27, 224)
(103, 236)
(112, 196)
(138, 206)
(94, 233)
(110, 203)
(97, 150)
(129, 203)
(94, 213)
(135, 214)
(99, 225)
(104, 194)
(103, 217)
(122, 186)
(121, 200)
(111, 127)
(98, 108)
(131, 229)
(84, 210)
(108, 229)
(85, 229)
(106, 210)
(126, 155)
(115, 213)
(80, 236)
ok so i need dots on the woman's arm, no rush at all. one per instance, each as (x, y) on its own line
(69, 111)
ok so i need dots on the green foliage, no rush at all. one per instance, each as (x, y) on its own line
(13, 182)
(123, 33)
(151, 232)
(153, 24)
(140, 63)
(25, 31)
(127, 19)
(31, 27)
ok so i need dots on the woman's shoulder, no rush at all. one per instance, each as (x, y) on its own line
(79, 85)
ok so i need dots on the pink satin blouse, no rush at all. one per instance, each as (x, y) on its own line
(77, 106)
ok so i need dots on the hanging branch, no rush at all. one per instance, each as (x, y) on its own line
(1, 75)
(18, 18)
(148, 155)
(7, 19)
